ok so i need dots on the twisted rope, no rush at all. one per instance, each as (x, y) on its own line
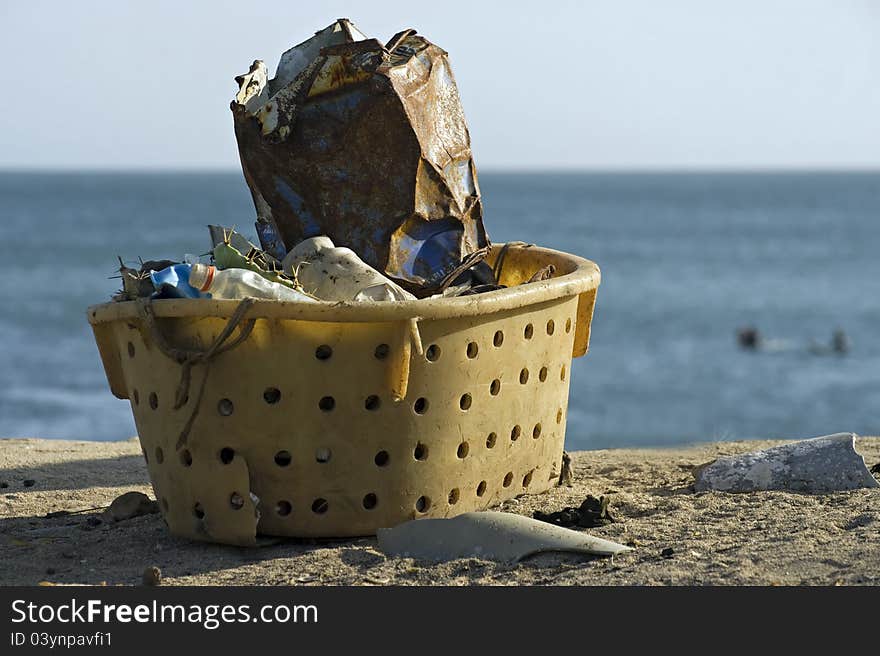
(188, 358)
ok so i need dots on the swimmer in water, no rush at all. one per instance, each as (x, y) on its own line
(839, 341)
(748, 338)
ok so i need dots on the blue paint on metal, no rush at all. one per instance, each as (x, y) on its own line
(270, 241)
(310, 226)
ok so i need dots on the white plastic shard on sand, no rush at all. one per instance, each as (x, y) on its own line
(822, 464)
(498, 536)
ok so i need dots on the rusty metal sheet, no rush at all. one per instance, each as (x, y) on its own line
(367, 144)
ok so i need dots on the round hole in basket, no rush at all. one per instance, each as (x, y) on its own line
(198, 511)
(372, 403)
(130, 350)
(160, 455)
(154, 400)
(283, 458)
(370, 500)
(528, 331)
(381, 351)
(454, 496)
(225, 407)
(568, 325)
(523, 376)
(327, 403)
(515, 432)
(283, 508)
(527, 479)
(490, 440)
(272, 395)
(562, 373)
(465, 401)
(186, 458)
(423, 504)
(542, 375)
(463, 449)
(420, 452)
(382, 458)
(136, 397)
(320, 506)
(420, 407)
(495, 387)
(481, 488)
(472, 350)
(432, 353)
(236, 501)
(508, 479)
(559, 416)
(323, 455)
(536, 431)
(324, 352)
(498, 340)
(550, 327)
(227, 454)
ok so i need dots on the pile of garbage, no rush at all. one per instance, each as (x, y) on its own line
(317, 271)
(358, 159)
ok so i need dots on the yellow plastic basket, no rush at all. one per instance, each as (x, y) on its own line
(335, 419)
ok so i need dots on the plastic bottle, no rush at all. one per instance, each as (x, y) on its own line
(336, 273)
(240, 283)
(173, 282)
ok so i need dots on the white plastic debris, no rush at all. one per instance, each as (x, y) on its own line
(498, 536)
(335, 273)
(822, 464)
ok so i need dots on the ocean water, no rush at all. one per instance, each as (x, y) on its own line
(686, 259)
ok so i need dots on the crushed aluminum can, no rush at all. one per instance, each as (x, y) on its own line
(367, 144)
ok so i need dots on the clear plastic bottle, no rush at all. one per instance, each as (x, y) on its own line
(240, 283)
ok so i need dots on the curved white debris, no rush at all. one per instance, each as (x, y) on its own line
(496, 536)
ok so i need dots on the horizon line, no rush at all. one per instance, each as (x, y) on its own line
(634, 170)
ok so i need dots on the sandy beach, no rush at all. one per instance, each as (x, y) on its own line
(761, 538)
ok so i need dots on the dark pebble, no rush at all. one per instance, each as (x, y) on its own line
(28, 482)
(152, 576)
(667, 552)
(3, 485)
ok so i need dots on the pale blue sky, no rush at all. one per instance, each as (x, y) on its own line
(599, 84)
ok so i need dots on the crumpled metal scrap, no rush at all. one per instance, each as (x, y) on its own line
(367, 144)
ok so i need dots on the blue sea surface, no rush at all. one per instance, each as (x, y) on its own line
(686, 259)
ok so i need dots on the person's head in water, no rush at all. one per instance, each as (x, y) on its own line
(748, 337)
(839, 341)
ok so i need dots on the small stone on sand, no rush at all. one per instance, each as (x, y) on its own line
(131, 504)
(152, 576)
